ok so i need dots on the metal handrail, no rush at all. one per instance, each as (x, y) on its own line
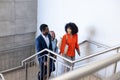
(95, 43)
(48, 51)
(52, 53)
(98, 44)
(89, 69)
(2, 77)
(98, 53)
(110, 49)
(81, 59)
(22, 63)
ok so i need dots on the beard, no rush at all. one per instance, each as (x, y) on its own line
(46, 33)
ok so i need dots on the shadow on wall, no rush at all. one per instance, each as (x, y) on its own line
(90, 32)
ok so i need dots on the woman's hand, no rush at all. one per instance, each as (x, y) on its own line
(79, 53)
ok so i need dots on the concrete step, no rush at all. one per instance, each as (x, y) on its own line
(20, 74)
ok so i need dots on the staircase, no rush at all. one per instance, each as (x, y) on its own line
(20, 73)
(29, 68)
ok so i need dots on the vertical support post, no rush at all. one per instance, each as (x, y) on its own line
(26, 75)
(116, 63)
(48, 66)
(72, 66)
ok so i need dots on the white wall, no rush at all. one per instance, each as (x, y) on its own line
(101, 15)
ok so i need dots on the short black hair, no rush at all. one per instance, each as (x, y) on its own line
(72, 26)
(43, 27)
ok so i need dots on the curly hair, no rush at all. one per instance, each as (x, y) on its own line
(43, 27)
(72, 26)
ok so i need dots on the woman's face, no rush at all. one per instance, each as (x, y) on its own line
(69, 31)
(52, 34)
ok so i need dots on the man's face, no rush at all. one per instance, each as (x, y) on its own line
(46, 31)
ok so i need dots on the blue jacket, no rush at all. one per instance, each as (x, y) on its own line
(41, 44)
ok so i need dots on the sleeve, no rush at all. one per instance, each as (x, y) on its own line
(56, 48)
(63, 44)
(39, 48)
(37, 42)
(77, 45)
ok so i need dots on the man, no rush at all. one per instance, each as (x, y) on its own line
(44, 41)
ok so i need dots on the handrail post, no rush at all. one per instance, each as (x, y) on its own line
(48, 66)
(115, 68)
(72, 66)
(2, 77)
(26, 75)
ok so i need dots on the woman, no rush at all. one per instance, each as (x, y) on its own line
(54, 42)
(71, 39)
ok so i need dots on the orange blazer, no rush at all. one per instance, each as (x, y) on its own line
(72, 44)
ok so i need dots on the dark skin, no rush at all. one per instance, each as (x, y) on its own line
(46, 31)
